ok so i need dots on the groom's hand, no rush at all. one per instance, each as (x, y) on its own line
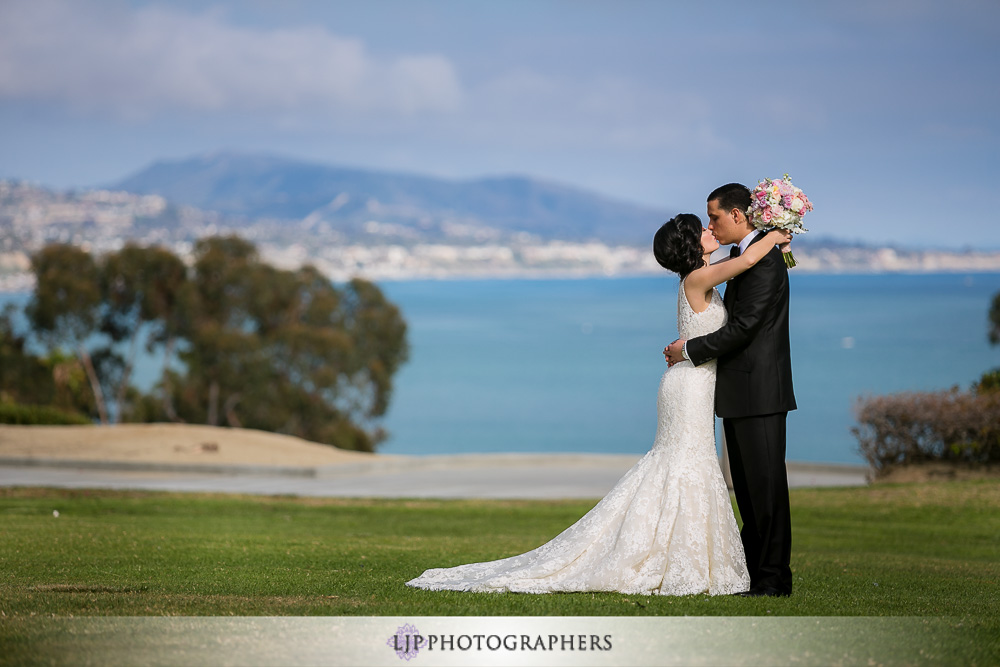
(674, 353)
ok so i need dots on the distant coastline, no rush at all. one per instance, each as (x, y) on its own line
(387, 227)
(551, 260)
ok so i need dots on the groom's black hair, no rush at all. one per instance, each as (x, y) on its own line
(731, 195)
(677, 244)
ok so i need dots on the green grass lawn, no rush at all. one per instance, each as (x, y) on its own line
(896, 550)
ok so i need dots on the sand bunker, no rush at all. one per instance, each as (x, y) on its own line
(170, 443)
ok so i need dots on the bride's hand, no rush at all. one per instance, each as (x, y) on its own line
(782, 238)
(674, 353)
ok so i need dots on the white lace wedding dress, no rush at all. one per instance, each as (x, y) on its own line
(666, 528)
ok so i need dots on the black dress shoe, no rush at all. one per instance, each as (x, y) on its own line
(765, 591)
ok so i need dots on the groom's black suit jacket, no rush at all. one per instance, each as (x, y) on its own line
(754, 375)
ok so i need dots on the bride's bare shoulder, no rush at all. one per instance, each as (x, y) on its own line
(698, 297)
(704, 278)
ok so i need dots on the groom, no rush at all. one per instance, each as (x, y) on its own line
(753, 391)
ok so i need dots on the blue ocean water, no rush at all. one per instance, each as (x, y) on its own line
(574, 365)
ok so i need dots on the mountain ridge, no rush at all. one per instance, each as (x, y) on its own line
(261, 185)
(32, 216)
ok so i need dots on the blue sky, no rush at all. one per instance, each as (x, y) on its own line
(884, 112)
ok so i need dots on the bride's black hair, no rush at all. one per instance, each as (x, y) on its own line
(677, 244)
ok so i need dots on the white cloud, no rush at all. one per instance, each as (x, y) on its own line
(616, 113)
(107, 58)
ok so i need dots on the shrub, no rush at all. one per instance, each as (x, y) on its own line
(915, 427)
(36, 415)
(990, 382)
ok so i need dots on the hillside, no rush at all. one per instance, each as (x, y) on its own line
(379, 241)
(259, 186)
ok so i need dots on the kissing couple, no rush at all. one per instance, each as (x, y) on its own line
(667, 527)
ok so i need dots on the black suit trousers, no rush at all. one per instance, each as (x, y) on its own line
(756, 448)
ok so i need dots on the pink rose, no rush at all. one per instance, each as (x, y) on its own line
(765, 215)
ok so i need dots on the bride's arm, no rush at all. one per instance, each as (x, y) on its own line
(709, 276)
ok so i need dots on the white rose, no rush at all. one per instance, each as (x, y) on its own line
(796, 205)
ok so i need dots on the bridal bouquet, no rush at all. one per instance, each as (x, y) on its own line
(778, 203)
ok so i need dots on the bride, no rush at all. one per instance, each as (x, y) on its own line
(667, 527)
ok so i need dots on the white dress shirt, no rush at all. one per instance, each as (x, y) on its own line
(748, 239)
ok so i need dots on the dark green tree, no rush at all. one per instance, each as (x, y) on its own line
(24, 378)
(379, 332)
(994, 327)
(223, 346)
(123, 278)
(261, 347)
(287, 351)
(65, 310)
(143, 290)
(167, 293)
(990, 381)
(33, 385)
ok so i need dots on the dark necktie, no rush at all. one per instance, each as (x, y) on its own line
(734, 251)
